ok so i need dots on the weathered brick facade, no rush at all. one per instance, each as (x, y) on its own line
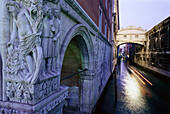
(91, 7)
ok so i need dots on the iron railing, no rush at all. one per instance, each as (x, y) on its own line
(73, 74)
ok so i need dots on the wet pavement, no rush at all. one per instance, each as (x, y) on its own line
(135, 95)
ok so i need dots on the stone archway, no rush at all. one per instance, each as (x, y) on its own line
(79, 30)
(71, 63)
(130, 42)
(77, 54)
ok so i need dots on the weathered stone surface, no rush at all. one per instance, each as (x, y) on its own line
(131, 34)
(155, 55)
(39, 32)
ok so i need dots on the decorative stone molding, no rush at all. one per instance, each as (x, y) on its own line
(18, 91)
(50, 106)
(52, 102)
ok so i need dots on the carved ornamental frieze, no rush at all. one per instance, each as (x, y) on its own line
(31, 94)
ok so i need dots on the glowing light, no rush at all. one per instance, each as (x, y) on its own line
(143, 77)
(137, 73)
(138, 77)
(133, 95)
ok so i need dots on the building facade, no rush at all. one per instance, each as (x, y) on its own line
(156, 53)
(116, 27)
(43, 44)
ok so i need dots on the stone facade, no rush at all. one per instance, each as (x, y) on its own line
(156, 53)
(35, 35)
(131, 34)
(116, 27)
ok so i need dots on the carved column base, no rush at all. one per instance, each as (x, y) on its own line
(52, 104)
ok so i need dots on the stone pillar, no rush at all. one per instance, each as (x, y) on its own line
(4, 38)
(87, 100)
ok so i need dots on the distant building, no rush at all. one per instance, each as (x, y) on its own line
(156, 52)
(116, 27)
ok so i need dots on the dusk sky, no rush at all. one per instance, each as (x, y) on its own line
(143, 13)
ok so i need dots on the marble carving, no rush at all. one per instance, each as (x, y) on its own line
(32, 50)
(29, 47)
(51, 32)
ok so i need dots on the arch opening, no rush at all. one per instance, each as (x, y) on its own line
(129, 52)
(76, 58)
(137, 43)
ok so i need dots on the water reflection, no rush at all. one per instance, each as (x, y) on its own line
(131, 97)
(134, 97)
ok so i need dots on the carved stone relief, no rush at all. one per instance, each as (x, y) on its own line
(44, 109)
(53, 104)
(32, 50)
(24, 43)
(31, 94)
(50, 36)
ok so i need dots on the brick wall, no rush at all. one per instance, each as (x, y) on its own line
(91, 7)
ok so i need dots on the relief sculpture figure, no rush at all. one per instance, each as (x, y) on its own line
(47, 42)
(29, 41)
(56, 32)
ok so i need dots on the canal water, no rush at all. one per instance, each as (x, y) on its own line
(134, 95)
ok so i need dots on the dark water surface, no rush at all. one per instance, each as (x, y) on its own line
(135, 96)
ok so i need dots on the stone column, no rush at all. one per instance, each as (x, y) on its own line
(4, 38)
(87, 100)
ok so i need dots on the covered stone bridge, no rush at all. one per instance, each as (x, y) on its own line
(131, 34)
